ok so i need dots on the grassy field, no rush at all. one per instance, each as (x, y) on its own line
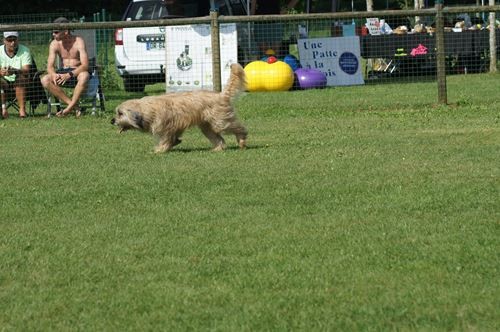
(357, 208)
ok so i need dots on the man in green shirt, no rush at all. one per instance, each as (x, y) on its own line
(15, 64)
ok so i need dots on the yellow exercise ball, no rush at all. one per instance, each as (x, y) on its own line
(273, 75)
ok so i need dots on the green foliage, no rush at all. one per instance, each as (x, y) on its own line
(355, 208)
(109, 75)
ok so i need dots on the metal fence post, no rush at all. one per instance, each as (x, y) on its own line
(440, 53)
(214, 33)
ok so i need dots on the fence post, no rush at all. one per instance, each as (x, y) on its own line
(440, 53)
(493, 46)
(214, 33)
(105, 38)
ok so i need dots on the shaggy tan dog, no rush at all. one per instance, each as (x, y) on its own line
(167, 116)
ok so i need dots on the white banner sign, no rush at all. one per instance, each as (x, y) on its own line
(337, 57)
(373, 25)
(189, 55)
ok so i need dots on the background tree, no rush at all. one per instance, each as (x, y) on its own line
(116, 7)
(369, 5)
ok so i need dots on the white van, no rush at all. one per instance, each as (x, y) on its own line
(140, 52)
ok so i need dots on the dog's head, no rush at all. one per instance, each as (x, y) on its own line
(128, 115)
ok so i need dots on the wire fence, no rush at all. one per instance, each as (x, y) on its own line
(282, 52)
(37, 17)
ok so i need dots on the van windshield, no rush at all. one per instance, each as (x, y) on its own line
(158, 9)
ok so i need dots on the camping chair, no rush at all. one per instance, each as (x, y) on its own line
(93, 97)
(35, 93)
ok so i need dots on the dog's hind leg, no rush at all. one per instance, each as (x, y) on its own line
(239, 131)
(216, 139)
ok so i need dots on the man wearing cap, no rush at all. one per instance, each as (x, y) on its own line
(74, 72)
(15, 64)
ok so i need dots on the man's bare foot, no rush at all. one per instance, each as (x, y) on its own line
(61, 114)
(67, 111)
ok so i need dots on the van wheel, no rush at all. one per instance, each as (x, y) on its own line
(133, 84)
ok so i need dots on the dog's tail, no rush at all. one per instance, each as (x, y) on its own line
(236, 83)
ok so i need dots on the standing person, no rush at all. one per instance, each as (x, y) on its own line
(269, 35)
(74, 72)
(15, 65)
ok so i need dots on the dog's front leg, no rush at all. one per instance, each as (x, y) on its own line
(164, 145)
(167, 142)
(161, 148)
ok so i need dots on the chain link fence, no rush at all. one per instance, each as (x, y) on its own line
(280, 52)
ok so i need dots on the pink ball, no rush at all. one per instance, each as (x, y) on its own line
(310, 78)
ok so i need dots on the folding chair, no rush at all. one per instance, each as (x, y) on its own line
(94, 90)
(10, 98)
(35, 93)
(93, 97)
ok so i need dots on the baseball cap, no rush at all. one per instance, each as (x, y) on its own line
(8, 34)
(61, 20)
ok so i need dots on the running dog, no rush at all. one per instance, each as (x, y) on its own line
(168, 116)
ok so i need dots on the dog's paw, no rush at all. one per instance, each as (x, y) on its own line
(161, 149)
(218, 148)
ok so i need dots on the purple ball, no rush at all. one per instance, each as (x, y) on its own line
(310, 78)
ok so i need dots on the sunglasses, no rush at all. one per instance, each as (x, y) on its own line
(56, 31)
(11, 39)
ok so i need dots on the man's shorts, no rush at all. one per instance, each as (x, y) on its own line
(10, 84)
(71, 83)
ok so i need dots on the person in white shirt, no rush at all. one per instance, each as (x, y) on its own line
(15, 65)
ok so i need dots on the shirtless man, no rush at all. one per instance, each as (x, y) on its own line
(74, 72)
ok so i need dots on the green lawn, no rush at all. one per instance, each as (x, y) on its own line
(356, 208)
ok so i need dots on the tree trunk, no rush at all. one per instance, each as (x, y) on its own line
(369, 5)
(418, 4)
(334, 6)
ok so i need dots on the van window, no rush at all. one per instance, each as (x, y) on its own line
(146, 10)
(158, 9)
